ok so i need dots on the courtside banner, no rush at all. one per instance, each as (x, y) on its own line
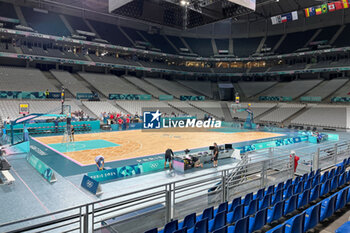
(42, 168)
(91, 185)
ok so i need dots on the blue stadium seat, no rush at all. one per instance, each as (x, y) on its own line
(260, 194)
(345, 228)
(296, 180)
(154, 230)
(324, 177)
(270, 190)
(200, 227)
(315, 193)
(316, 180)
(222, 207)
(331, 173)
(287, 183)
(304, 177)
(307, 184)
(325, 188)
(327, 207)
(265, 202)
(242, 226)
(299, 188)
(341, 199)
(295, 224)
(218, 221)
(235, 202)
(276, 212)
(312, 216)
(287, 193)
(334, 183)
(235, 215)
(348, 177)
(291, 204)
(338, 170)
(318, 172)
(251, 208)
(304, 199)
(342, 179)
(188, 222)
(183, 230)
(348, 198)
(279, 186)
(278, 229)
(277, 197)
(207, 213)
(311, 175)
(258, 221)
(247, 199)
(170, 227)
(221, 230)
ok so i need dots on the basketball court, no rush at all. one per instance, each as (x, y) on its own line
(124, 145)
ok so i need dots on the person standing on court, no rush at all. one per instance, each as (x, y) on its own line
(168, 157)
(215, 155)
(100, 162)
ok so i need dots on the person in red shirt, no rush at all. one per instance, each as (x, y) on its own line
(296, 159)
(120, 122)
(127, 123)
(118, 115)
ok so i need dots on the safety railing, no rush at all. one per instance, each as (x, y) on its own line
(157, 205)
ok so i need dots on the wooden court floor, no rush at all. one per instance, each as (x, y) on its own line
(138, 143)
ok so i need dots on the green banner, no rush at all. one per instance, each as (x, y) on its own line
(166, 97)
(87, 96)
(42, 168)
(341, 99)
(21, 95)
(191, 98)
(311, 98)
(129, 97)
(275, 98)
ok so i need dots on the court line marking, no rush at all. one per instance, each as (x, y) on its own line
(35, 196)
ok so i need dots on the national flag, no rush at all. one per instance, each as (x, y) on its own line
(345, 3)
(294, 15)
(312, 11)
(324, 8)
(318, 10)
(284, 19)
(307, 13)
(338, 5)
(331, 7)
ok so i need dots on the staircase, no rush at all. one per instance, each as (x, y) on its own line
(328, 99)
(226, 111)
(113, 102)
(85, 109)
(57, 84)
(257, 118)
(301, 111)
(138, 87)
(192, 90)
(88, 85)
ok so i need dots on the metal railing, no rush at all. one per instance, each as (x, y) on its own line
(141, 210)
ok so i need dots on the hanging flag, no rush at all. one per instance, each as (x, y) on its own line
(338, 5)
(284, 19)
(345, 4)
(307, 13)
(312, 11)
(324, 8)
(331, 7)
(276, 19)
(318, 10)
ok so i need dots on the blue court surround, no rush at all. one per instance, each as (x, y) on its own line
(82, 145)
